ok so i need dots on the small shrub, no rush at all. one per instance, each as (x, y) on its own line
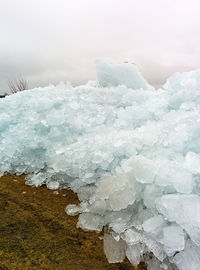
(18, 85)
(3, 96)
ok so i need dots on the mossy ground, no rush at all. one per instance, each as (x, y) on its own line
(35, 232)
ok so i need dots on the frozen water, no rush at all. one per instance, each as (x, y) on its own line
(173, 239)
(134, 253)
(143, 169)
(154, 225)
(120, 191)
(114, 250)
(189, 258)
(154, 247)
(184, 210)
(132, 155)
(121, 74)
(155, 264)
(192, 162)
(72, 209)
(90, 222)
(132, 237)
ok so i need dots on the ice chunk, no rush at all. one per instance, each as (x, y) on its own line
(134, 253)
(72, 209)
(90, 222)
(114, 250)
(99, 206)
(155, 264)
(132, 237)
(143, 168)
(170, 174)
(189, 258)
(118, 221)
(129, 152)
(36, 179)
(151, 193)
(192, 162)
(120, 74)
(154, 225)
(154, 246)
(173, 239)
(84, 193)
(184, 210)
(53, 185)
(120, 191)
(183, 80)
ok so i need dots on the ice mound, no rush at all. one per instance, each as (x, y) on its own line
(132, 154)
(122, 74)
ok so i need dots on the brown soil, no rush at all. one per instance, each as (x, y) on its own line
(35, 232)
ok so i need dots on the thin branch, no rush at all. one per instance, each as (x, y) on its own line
(17, 85)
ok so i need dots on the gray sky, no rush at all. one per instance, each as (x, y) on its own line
(47, 41)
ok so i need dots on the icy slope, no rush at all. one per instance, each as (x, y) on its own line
(132, 156)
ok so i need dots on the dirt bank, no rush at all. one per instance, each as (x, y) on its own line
(35, 233)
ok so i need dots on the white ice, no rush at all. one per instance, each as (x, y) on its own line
(130, 152)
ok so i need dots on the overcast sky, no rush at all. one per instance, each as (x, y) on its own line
(47, 41)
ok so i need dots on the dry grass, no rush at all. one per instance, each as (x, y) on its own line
(36, 234)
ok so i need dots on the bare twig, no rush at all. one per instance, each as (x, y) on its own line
(18, 85)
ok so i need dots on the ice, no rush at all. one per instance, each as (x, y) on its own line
(173, 239)
(53, 185)
(143, 169)
(154, 225)
(184, 210)
(120, 191)
(151, 192)
(90, 222)
(114, 250)
(118, 221)
(72, 209)
(154, 246)
(170, 174)
(189, 258)
(134, 253)
(155, 264)
(35, 179)
(132, 237)
(185, 80)
(131, 153)
(121, 74)
(192, 162)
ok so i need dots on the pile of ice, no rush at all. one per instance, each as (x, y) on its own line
(131, 153)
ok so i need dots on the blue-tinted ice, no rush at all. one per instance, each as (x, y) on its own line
(130, 152)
